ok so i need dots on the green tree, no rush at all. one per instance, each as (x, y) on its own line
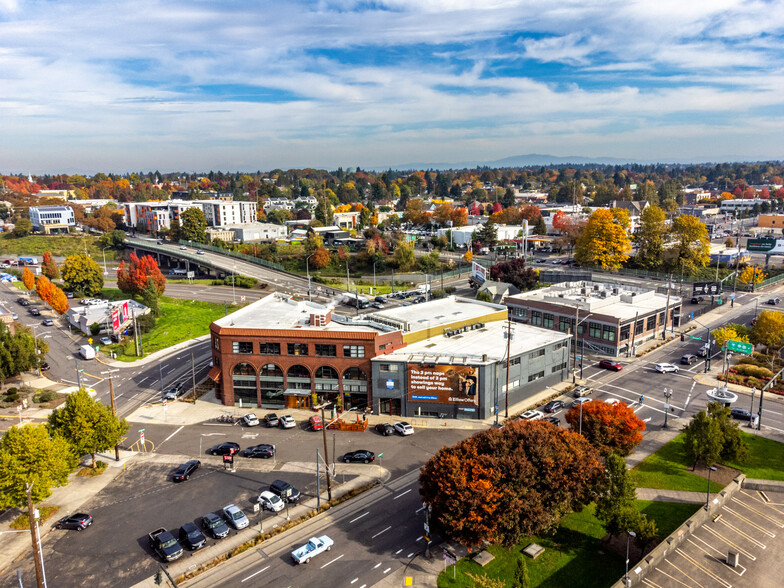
(484, 297)
(650, 238)
(193, 226)
(405, 258)
(87, 424)
(19, 351)
(22, 227)
(703, 439)
(429, 262)
(521, 573)
(113, 239)
(175, 231)
(540, 228)
(280, 216)
(28, 455)
(692, 244)
(733, 447)
(604, 242)
(618, 493)
(150, 297)
(488, 234)
(81, 274)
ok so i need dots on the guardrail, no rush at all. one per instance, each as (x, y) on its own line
(237, 255)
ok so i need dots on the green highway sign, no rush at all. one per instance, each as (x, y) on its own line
(695, 338)
(740, 347)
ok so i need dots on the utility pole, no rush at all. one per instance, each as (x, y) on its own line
(574, 355)
(193, 375)
(78, 374)
(634, 332)
(508, 346)
(114, 413)
(39, 569)
(666, 309)
(326, 452)
(318, 481)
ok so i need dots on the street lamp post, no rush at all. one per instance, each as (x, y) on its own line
(103, 252)
(581, 418)
(233, 293)
(707, 492)
(667, 396)
(307, 271)
(629, 535)
(751, 409)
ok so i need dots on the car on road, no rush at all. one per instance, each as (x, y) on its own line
(227, 448)
(553, 405)
(263, 450)
(34, 311)
(609, 364)
(105, 341)
(159, 242)
(380, 299)
(403, 428)
(581, 391)
(385, 429)
(551, 419)
(531, 415)
(214, 525)
(741, 414)
(184, 471)
(199, 252)
(696, 299)
(378, 305)
(271, 420)
(688, 359)
(23, 301)
(287, 422)
(47, 322)
(270, 501)
(173, 392)
(235, 516)
(773, 301)
(359, 456)
(183, 248)
(249, 420)
(579, 401)
(285, 490)
(612, 401)
(191, 537)
(311, 549)
(663, 368)
(704, 350)
(315, 423)
(78, 521)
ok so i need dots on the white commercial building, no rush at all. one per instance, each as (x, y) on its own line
(232, 212)
(49, 218)
(251, 232)
(461, 236)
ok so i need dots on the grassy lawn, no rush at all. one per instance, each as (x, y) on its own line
(573, 557)
(765, 460)
(179, 321)
(22, 522)
(59, 245)
(668, 469)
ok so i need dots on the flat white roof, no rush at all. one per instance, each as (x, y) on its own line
(437, 312)
(479, 346)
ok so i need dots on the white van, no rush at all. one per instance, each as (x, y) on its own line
(87, 352)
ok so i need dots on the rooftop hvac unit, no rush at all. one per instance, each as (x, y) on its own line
(596, 288)
(583, 290)
(616, 290)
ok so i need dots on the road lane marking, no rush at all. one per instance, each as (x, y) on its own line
(421, 508)
(410, 555)
(420, 538)
(255, 574)
(173, 434)
(379, 533)
(359, 517)
(354, 580)
(398, 551)
(377, 565)
(402, 494)
(331, 562)
(387, 570)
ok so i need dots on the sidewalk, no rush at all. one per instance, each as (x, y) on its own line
(671, 495)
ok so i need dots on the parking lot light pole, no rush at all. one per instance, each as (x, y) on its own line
(629, 535)
(751, 408)
(707, 492)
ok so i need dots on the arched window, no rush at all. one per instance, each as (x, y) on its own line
(271, 386)
(354, 381)
(243, 377)
(270, 370)
(298, 378)
(326, 379)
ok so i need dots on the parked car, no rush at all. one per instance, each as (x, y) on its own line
(47, 322)
(688, 359)
(385, 429)
(34, 311)
(78, 521)
(23, 301)
(263, 450)
(235, 516)
(270, 501)
(531, 415)
(214, 525)
(227, 448)
(164, 544)
(663, 368)
(285, 490)
(553, 405)
(287, 422)
(105, 341)
(551, 419)
(612, 401)
(579, 401)
(315, 423)
(359, 456)
(249, 420)
(609, 364)
(184, 471)
(741, 414)
(311, 549)
(581, 391)
(14, 316)
(191, 537)
(403, 428)
(774, 301)
(271, 420)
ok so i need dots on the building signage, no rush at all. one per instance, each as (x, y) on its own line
(478, 272)
(447, 384)
(706, 288)
(390, 384)
(116, 320)
(760, 245)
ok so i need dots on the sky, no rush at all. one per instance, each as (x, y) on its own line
(88, 86)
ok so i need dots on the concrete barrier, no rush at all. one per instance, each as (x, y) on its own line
(770, 485)
(655, 557)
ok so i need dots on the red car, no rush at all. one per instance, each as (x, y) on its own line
(609, 364)
(315, 423)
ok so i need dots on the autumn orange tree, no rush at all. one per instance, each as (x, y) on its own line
(608, 427)
(59, 301)
(503, 484)
(320, 258)
(49, 267)
(133, 278)
(28, 279)
(44, 288)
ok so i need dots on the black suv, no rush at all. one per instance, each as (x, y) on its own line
(214, 525)
(227, 448)
(286, 491)
(191, 537)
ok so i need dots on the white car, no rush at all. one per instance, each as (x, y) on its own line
(403, 428)
(105, 341)
(612, 401)
(531, 415)
(250, 420)
(270, 501)
(287, 422)
(663, 368)
(235, 516)
(580, 401)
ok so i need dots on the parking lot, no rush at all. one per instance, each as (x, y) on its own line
(748, 524)
(115, 549)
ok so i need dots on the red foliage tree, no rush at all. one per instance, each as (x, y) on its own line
(562, 222)
(503, 484)
(132, 279)
(608, 427)
(49, 267)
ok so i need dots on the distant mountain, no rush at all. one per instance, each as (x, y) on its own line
(531, 159)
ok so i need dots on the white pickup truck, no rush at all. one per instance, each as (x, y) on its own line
(311, 549)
